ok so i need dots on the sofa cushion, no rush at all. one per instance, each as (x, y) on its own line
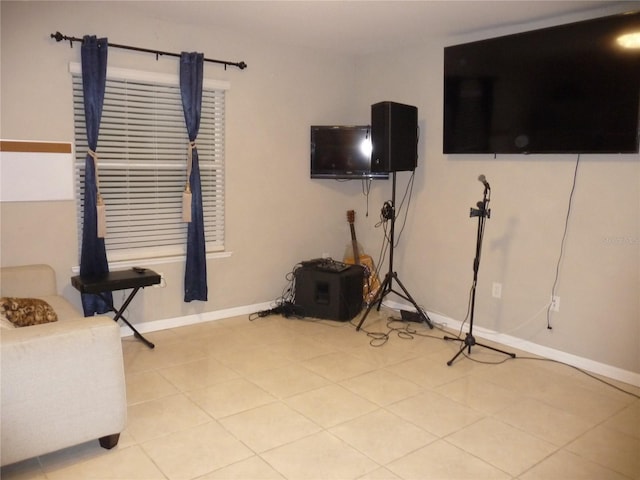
(63, 308)
(23, 312)
(27, 281)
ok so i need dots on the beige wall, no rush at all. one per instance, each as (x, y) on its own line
(277, 216)
(599, 282)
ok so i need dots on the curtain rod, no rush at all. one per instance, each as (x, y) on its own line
(59, 37)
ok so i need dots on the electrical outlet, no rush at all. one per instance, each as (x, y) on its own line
(496, 291)
(555, 303)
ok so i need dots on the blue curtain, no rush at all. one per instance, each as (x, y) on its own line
(195, 277)
(93, 258)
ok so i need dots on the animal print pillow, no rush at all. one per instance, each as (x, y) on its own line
(23, 312)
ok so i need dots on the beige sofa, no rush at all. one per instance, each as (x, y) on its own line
(62, 382)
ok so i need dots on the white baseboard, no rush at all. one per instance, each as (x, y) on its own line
(626, 376)
(166, 323)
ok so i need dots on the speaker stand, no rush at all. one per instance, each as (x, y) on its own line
(482, 212)
(387, 285)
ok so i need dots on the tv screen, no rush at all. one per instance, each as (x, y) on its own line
(342, 152)
(566, 89)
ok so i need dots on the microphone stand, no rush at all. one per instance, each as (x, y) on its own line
(482, 212)
(389, 213)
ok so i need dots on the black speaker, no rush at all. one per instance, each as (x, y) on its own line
(394, 137)
(329, 294)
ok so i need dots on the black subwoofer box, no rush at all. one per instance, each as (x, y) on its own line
(327, 294)
(394, 137)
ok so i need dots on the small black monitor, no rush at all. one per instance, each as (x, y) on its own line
(342, 152)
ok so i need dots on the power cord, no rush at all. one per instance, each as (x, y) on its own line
(584, 372)
(285, 304)
(286, 309)
(366, 189)
(408, 194)
(540, 359)
(562, 243)
(404, 331)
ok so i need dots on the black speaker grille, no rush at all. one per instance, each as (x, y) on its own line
(330, 295)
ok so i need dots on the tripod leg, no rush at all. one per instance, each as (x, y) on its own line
(408, 296)
(456, 355)
(512, 355)
(384, 289)
(468, 342)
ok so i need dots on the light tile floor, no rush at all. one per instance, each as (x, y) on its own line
(281, 398)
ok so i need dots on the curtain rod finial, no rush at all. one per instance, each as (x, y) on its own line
(59, 37)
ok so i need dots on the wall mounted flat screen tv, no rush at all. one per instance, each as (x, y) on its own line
(342, 152)
(566, 89)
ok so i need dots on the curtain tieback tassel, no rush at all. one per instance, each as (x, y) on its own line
(186, 195)
(101, 210)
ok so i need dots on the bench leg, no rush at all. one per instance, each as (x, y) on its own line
(109, 441)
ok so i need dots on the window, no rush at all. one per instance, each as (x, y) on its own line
(142, 155)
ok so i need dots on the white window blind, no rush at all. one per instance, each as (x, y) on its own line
(142, 154)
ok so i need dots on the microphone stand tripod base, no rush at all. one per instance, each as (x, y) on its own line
(468, 342)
